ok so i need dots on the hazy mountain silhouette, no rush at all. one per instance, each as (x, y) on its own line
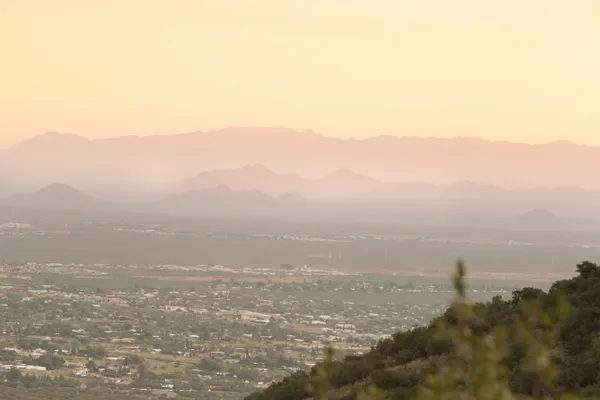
(341, 184)
(541, 218)
(222, 200)
(345, 186)
(292, 199)
(348, 177)
(248, 177)
(344, 183)
(220, 197)
(139, 163)
(415, 203)
(538, 215)
(55, 195)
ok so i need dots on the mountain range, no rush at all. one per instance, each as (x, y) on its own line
(55, 195)
(255, 190)
(224, 198)
(340, 184)
(134, 165)
(345, 186)
(220, 198)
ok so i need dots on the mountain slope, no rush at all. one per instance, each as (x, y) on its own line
(345, 186)
(538, 215)
(400, 364)
(292, 199)
(222, 198)
(248, 177)
(55, 195)
(115, 162)
(341, 184)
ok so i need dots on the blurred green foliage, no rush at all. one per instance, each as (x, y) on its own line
(536, 345)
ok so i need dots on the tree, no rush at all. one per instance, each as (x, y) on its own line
(533, 346)
(75, 345)
(476, 369)
(91, 366)
(14, 374)
(49, 361)
(143, 370)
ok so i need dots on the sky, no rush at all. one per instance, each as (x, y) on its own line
(500, 70)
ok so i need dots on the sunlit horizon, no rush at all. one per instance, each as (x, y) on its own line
(514, 71)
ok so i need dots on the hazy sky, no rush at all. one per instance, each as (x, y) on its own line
(513, 69)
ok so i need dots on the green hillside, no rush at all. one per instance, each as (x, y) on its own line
(536, 345)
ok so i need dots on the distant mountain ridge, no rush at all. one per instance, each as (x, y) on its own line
(54, 195)
(219, 198)
(340, 184)
(248, 177)
(222, 201)
(347, 185)
(141, 163)
(222, 197)
(538, 215)
(342, 191)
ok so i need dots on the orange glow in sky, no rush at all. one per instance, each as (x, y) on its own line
(504, 70)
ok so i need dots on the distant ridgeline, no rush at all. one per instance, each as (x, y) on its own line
(548, 365)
